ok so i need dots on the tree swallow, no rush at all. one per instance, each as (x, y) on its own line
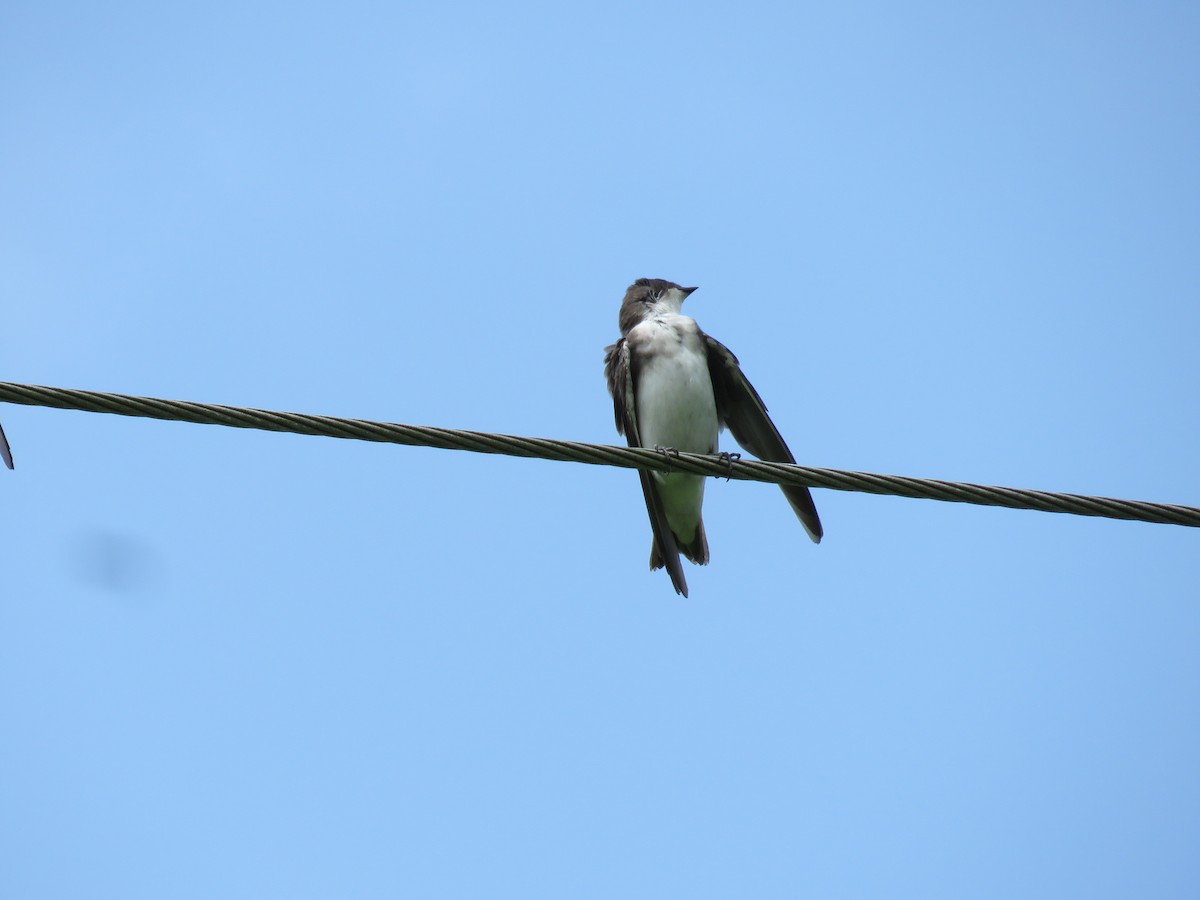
(5, 453)
(674, 388)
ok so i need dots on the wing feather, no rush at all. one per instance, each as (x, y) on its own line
(5, 452)
(743, 412)
(620, 370)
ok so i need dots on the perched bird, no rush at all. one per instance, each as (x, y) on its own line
(674, 388)
(5, 452)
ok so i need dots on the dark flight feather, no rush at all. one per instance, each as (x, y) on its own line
(622, 375)
(5, 451)
(742, 411)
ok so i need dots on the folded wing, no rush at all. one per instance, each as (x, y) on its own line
(622, 375)
(745, 415)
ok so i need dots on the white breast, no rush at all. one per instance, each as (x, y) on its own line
(675, 405)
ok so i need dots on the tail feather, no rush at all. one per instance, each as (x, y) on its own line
(658, 559)
(696, 551)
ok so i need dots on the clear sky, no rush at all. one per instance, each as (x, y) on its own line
(949, 240)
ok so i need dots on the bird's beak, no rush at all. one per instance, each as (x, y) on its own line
(688, 291)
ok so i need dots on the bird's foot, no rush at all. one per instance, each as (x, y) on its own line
(668, 452)
(728, 458)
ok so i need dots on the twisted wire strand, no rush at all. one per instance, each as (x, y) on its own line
(597, 454)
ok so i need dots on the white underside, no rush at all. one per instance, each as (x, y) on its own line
(675, 408)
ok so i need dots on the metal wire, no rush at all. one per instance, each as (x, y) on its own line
(597, 454)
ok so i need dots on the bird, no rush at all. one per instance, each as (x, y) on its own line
(673, 389)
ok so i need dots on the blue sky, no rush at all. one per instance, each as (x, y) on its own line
(945, 240)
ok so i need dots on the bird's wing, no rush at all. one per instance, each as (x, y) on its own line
(620, 370)
(743, 412)
(5, 452)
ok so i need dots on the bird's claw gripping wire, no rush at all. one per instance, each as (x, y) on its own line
(667, 452)
(728, 459)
